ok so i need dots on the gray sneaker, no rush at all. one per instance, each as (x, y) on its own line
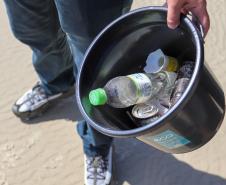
(35, 102)
(98, 170)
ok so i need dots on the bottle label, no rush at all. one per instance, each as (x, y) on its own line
(170, 139)
(144, 86)
(172, 64)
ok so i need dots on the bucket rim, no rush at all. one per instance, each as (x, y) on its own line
(199, 48)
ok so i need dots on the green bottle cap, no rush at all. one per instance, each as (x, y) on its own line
(98, 97)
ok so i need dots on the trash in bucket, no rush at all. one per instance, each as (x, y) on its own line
(157, 61)
(149, 92)
(121, 49)
(124, 91)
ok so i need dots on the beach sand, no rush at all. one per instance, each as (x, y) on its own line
(48, 151)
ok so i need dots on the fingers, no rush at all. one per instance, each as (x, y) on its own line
(184, 11)
(173, 15)
(196, 7)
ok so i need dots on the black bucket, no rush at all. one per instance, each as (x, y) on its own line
(121, 49)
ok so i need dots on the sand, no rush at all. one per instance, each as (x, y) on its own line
(49, 152)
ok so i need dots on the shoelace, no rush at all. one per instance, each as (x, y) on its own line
(37, 94)
(96, 167)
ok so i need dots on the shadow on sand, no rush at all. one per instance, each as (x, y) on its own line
(66, 109)
(135, 162)
(138, 164)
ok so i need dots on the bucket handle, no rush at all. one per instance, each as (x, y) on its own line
(197, 23)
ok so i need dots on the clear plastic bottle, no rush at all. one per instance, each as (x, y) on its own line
(184, 76)
(125, 91)
(180, 87)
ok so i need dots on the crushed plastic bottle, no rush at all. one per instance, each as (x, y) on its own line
(184, 76)
(180, 86)
(157, 61)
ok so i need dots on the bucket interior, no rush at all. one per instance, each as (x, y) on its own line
(123, 49)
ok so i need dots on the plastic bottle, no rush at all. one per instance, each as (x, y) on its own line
(125, 91)
(180, 86)
(184, 76)
(157, 61)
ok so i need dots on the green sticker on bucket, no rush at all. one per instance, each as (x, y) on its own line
(170, 139)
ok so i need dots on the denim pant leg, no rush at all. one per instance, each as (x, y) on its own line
(36, 24)
(82, 20)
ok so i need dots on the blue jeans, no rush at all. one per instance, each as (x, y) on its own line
(59, 32)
